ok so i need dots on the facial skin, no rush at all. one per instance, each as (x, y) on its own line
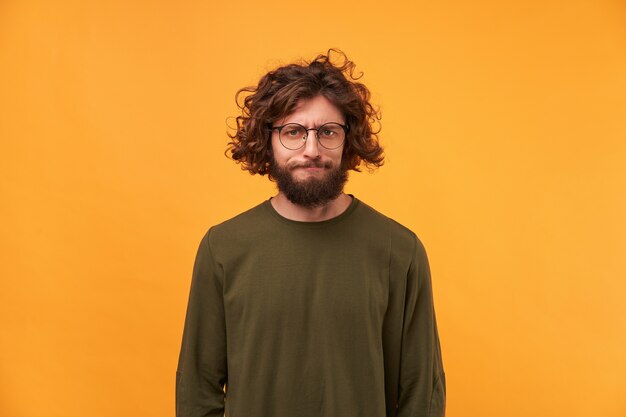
(312, 175)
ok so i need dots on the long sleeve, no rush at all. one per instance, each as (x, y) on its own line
(202, 367)
(422, 386)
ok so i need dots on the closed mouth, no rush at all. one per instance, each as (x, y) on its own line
(311, 166)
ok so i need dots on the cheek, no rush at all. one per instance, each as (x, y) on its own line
(340, 154)
(278, 151)
(341, 157)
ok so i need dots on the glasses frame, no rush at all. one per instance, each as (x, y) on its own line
(346, 129)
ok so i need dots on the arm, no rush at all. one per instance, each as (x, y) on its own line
(202, 369)
(422, 388)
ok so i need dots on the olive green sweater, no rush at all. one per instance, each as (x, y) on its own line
(310, 319)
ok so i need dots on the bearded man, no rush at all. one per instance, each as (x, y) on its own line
(311, 303)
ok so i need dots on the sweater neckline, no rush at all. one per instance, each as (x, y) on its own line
(346, 213)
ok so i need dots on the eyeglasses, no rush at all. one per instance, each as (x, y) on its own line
(294, 136)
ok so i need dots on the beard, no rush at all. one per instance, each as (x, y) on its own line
(313, 191)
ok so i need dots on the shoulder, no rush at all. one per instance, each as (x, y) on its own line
(252, 221)
(395, 229)
(404, 242)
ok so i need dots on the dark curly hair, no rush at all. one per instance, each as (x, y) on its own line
(277, 96)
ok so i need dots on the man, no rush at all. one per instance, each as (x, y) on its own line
(311, 304)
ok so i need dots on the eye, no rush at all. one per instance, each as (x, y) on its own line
(292, 131)
(327, 132)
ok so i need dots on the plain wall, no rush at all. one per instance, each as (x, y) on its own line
(504, 125)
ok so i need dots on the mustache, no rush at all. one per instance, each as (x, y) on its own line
(312, 164)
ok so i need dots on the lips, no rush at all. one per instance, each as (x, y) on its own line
(311, 166)
(311, 170)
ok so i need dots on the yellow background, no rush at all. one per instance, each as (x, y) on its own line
(505, 132)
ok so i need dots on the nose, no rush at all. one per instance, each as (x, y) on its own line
(311, 147)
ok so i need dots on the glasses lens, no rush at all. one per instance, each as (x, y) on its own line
(292, 135)
(331, 135)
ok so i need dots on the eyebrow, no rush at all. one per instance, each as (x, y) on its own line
(315, 125)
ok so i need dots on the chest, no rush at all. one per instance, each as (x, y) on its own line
(308, 282)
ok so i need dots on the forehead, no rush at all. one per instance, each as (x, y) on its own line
(315, 111)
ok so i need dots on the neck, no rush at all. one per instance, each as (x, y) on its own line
(291, 211)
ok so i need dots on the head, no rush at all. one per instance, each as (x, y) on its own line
(311, 94)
